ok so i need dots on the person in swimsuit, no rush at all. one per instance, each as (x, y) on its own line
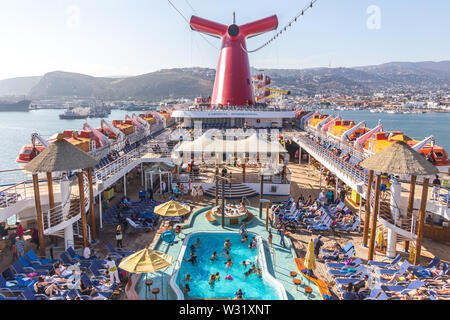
(415, 294)
(214, 256)
(43, 287)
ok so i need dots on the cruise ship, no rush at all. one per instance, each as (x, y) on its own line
(191, 147)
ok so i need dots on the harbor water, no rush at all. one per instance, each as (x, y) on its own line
(17, 127)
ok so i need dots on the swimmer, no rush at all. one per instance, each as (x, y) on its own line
(186, 288)
(198, 243)
(239, 295)
(188, 277)
(193, 259)
(227, 244)
(212, 278)
(229, 264)
(244, 238)
(227, 254)
(244, 263)
(217, 276)
(192, 247)
(214, 256)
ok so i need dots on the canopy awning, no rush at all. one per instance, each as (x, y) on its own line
(252, 144)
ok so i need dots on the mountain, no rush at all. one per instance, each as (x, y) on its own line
(18, 86)
(194, 82)
(189, 83)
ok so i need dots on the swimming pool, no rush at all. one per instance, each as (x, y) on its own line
(254, 287)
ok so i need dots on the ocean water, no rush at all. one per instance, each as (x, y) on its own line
(417, 126)
(253, 287)
(16, 129)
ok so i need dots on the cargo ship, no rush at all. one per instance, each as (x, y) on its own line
(23, 105)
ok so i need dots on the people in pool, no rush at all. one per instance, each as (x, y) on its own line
(227, 244)
(192, 248)
(193, 259)
(217, 276)
(244, 263)
(239, 295)
(188, 277)
(212, 279)
(186, 288)
(197, 243)
(227, 254)
(253, 243)
(243, 229)
(229, 264)
(214, 256)
(244, 238)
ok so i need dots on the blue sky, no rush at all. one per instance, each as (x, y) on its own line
(118, 37)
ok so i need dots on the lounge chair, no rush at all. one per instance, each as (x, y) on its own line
(20, 269)
(344, 249)
(411, 286)
(433, 263)
(374, 293)
(346, 272)
(346, 281)
(103, 291)
(384, 264)
(2, 297)
(340, 265)
(403, 268)
(29, 294)
(348, 228)
(38, 260)
(139, 225)
(27, 264)
(117, 251)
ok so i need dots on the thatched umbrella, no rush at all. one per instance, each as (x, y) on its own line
(61, 155)
(400, 158)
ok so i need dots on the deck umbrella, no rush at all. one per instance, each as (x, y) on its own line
(172, 209)
(60, 156)
(400, 158)
(146, 260)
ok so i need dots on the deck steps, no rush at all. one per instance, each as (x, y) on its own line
(235, 191)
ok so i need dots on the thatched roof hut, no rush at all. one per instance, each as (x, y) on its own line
(400, 158)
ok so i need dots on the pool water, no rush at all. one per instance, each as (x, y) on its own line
(253, 287)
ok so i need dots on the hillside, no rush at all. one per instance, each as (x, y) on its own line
(18, 86)
(193, 82)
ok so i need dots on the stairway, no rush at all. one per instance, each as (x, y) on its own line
(236, 191)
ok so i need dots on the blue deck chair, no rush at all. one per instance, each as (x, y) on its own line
(346, 281)
(29, 294)
(403, 268)
(339, 265)
(348, 228)
(344, 249)
(41, 260)
(384, 264)
(117, 251)
(73, 294)
(103, 291)
(346, 272)
(411, 286)
(20, 269)
(34, 266)
(2, 297)
(9, 286)
(433, 263)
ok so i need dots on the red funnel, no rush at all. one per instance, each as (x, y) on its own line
(233, 84)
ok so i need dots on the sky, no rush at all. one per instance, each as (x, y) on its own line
(131, 37)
